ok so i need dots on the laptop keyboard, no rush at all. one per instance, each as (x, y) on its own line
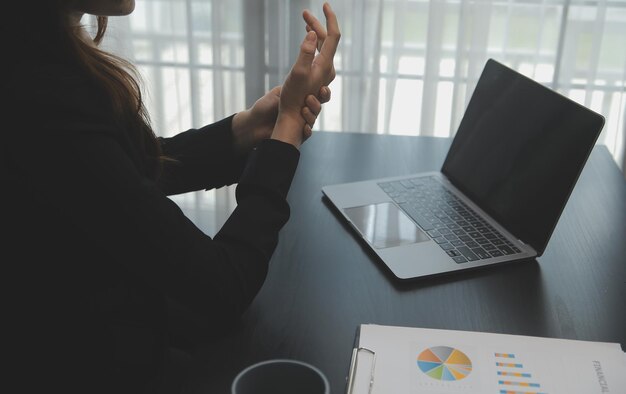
(453, 225)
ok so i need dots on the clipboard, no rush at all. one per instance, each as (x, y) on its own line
(362, 367)
(393, 359)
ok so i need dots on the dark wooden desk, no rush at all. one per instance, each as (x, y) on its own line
(322, 283)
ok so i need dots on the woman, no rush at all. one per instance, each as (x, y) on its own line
(107, 274)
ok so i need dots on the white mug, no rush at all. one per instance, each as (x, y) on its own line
(281, 376)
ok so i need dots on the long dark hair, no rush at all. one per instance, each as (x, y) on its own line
(45, 32)
(120, 80)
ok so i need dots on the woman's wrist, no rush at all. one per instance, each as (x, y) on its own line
(242, 140)
(288, 128)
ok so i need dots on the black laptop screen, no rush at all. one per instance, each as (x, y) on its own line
(519, 150)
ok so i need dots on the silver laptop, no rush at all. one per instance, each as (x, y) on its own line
(508, 174)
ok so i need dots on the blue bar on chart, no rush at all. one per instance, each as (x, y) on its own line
(523, 384)
(516, 374)
(519, 392)
(509, 365)
(512, 386)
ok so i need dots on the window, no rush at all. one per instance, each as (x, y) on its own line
(403, 66)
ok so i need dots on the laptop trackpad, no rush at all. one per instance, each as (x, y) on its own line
(384, 225)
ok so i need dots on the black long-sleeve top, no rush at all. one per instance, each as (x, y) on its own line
(96, 251)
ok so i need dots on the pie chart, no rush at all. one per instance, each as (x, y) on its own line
(444, 363)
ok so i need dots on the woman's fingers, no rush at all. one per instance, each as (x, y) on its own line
(313, 104)
(307, 54)
(312, 23)
(324, 94)
(333, 34)
(319, 40)
(312, 109)
(309, 116)
(328, 40)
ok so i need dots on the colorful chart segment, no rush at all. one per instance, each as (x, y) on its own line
(514, 383)
(444, 363)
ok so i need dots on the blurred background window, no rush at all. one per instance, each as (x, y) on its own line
(403, 66)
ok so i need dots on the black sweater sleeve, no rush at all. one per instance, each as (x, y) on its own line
(97, 246)
(202, 158)
(86, 175)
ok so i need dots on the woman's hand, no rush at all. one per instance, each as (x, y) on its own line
(307, 76)
(257, 123)
(312, 23)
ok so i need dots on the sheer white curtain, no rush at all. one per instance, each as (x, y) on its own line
(403, 66)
